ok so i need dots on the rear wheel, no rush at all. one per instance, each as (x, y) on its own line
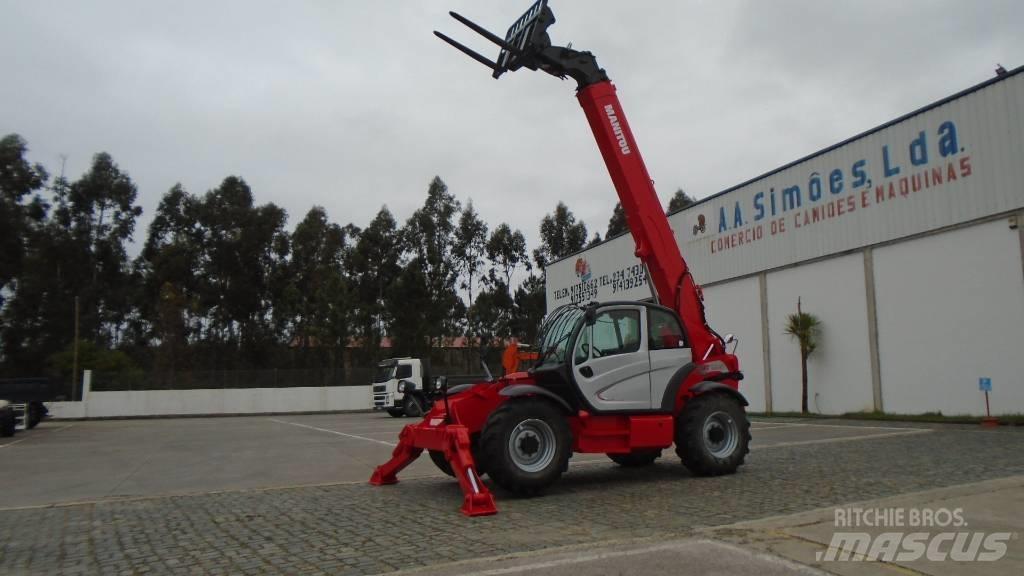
(713, 435)
(437, 457)
(7, 423)
(442, 463)
(636, 459)
(525, 445)
(35, 415)
(396, 412)
(412, 406)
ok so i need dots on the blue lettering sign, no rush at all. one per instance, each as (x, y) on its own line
(888, 167)
(835, 181)
(860, 176)
(814, 187)
(948, 144)
(919, 150)
(758, 206)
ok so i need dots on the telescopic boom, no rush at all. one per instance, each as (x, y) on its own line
(527, 45)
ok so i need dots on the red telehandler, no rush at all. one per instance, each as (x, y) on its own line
(628, 379)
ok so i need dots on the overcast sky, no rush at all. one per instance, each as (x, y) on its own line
(351, 105)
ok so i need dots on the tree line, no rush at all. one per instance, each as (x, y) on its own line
(220, 283)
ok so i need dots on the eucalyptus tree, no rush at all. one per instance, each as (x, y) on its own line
(470, 248)
(560, 235)
(374, 265)
(506, 249)
(429, 241)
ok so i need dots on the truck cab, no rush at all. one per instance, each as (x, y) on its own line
(398, 387)
(614, 357)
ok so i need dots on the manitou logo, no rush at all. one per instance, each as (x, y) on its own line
(617, 129)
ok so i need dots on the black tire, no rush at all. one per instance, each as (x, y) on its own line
(525, 445)
(412, 407)
(396, 412)
(637, 459)
(713, 435)
(35, 415)
(7, 422)
(437, 457)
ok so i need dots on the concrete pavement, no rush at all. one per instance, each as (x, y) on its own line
(790, 544)
(255, 495)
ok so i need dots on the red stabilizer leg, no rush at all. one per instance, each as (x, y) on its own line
(477, 499)
(402, 456)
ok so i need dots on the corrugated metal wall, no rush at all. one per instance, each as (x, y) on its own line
(953, 163)
(937, 247)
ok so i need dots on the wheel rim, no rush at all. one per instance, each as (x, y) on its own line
(721, 434)
(531, 445)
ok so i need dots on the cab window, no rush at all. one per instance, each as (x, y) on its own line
(404, 371)
(615, 332)
(583, 346)
(663, 330)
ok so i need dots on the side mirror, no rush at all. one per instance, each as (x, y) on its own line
(406, 386)
(731, 339)
(590, 315)
(440, 383)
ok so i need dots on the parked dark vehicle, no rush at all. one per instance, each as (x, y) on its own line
(25, 399)
(7, 419)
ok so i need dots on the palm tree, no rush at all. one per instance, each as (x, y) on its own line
(806, 328)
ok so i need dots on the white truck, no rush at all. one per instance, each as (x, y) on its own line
(398, 387)
(405, 387)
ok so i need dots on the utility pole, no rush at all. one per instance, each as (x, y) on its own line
(74, 362)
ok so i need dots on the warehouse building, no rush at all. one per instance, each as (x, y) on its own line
(906, 241)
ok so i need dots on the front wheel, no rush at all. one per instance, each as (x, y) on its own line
(412, 406)
(525, 445)
(396, 412)
(713, 435)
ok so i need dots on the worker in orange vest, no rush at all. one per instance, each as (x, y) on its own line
(510, 358)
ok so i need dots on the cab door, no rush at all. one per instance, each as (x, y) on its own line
(669, 352)
(611, 364)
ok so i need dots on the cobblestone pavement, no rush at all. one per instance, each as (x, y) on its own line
(359, 529)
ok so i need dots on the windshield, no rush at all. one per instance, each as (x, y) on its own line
(384, 373)
(555, 333)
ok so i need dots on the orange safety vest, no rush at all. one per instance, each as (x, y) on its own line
(510, 358)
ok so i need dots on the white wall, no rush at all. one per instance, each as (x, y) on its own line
(950, 310)
(839, 372)
(735, 307)
(66, 409)
(219, 401)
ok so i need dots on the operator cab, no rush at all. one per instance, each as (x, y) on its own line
(614, 357)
